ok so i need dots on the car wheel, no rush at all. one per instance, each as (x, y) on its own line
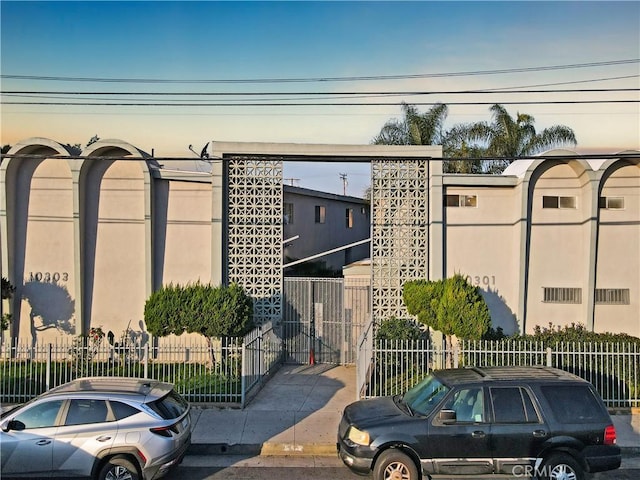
(395, 465)
(562, 467)
(119, 468)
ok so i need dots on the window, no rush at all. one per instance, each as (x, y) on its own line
(513, 405)
(573, 404)
(562, 295)
(612, 296)
(558, 202)
(288, 213)
(321, 212)
(611, 203)
(40, 415)
(82, 412)
(122, 410)
(461, 201)
(468, 404)
(349, 219)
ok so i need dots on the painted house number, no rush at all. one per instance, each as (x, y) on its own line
(478, 280)
(48, 276)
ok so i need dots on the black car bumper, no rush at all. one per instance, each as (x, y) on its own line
(600, 458)
(358, 461)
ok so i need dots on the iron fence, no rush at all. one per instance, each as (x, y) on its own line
(395, 366)
(220, 371)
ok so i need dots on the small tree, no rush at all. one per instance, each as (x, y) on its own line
(214, 312)
(451, 306)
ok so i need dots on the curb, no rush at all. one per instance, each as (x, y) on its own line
(271, 449)
(264, 449)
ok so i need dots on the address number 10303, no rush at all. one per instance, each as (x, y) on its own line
(48, 277)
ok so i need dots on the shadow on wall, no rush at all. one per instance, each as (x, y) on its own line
(51, 303)
(501, 314)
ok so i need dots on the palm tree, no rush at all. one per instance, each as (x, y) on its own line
(415, 128)
(511, 138)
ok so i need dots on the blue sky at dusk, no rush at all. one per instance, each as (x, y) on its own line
(226, 41)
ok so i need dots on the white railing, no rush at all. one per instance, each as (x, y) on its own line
(222, 371)
(261, 357)
(613, 368)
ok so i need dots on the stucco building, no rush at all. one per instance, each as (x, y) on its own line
(86, 240)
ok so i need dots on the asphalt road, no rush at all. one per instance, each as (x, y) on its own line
(315, 468)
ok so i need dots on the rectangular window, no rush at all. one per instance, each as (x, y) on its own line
(558, 202)
(611, 203)
(513, 405)
(321, 213)
(288, 213)
(562, 295)
(461, 201)
(349, 218)
(612, 296)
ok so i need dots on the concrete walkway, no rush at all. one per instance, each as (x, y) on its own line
(298, 411)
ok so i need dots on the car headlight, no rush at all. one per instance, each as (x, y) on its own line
(358, 436)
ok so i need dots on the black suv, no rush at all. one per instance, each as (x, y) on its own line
(517, 421)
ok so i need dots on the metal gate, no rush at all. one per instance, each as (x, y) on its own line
(322, 319)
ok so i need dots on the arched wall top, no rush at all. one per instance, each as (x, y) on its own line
(117, 149)
(113, 147)
(533, 168)
(39, 145)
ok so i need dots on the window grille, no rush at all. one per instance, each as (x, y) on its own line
(562, 295)
(612, 296)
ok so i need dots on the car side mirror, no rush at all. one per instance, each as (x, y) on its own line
(447, 416)
(12, 425)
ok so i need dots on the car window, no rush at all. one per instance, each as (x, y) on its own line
(83, 411)
(170, 406)
(468, 404)
(574, 403)
(40, 415)
(423, 397)
(512, 405)
(122, 410)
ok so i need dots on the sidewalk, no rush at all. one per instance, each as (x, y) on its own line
(298, 411)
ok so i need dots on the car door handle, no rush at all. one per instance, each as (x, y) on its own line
(539, 433)
(478, 434)
(103, 438)
(43, 442)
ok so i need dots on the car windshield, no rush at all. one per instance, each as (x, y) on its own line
(423, 397)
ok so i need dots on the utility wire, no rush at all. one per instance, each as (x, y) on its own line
(362, 93)
(325, 79)
(315, 104)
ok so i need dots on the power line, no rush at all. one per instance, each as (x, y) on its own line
(324, 79)
(317, 104)
(363, 93)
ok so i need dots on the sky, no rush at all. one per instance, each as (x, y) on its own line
(353, 52)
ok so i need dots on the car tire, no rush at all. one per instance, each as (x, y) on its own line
(561, 466)
(119, 468)
(394, 465)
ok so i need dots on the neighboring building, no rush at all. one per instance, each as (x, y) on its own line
(323, 222)
(86, 240)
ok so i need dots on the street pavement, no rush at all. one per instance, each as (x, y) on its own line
(297, 413)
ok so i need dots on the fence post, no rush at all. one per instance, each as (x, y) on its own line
(549, 358)
(48, 369)
(243, 376)
(146, 360)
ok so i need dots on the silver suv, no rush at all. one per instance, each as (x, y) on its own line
(104, 427)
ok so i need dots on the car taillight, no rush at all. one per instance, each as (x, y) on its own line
(165, 431)
(610, 435)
